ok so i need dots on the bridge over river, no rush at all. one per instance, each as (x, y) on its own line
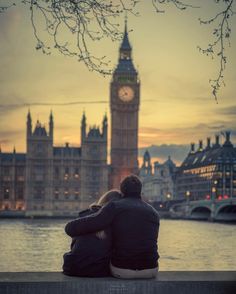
(215, 210)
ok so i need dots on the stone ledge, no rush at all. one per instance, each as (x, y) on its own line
(218, 282)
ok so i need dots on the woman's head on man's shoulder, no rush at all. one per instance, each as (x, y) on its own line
(130, 186)
(109, 196)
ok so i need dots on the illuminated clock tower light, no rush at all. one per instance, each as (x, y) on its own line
(124, 105)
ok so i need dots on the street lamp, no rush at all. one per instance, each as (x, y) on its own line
(168, 196)
(187, 195)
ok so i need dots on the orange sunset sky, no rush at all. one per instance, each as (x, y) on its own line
(177, 106)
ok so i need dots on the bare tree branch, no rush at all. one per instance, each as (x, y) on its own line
(92, 20)
(221, 34)
(177, 3)
(87, 20)
(4, 8)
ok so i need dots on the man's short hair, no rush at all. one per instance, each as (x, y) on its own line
(131, 186)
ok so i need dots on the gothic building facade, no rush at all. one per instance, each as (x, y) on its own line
(49, 180)
(158, 179)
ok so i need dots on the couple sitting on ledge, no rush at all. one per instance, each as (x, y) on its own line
(117, 236)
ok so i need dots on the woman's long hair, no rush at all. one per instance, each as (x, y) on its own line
(111, 195)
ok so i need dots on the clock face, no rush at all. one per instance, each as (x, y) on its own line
(126, 93)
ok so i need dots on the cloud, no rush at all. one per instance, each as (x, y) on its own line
(228, 111)
(9, 20)
(217, 127)
(20, 105)
(6, 108)
(185, 134)
(177, 152)
(8, 138)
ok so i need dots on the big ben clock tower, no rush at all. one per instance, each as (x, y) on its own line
(124, 105)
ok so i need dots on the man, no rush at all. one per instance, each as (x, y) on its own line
(135, 227)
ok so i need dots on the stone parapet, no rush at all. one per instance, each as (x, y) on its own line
(169, 282)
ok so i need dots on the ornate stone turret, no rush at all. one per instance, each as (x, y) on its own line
(124, 105)
(125, 64)
(227, 142)
(208, 143)
(39, 166)
(200, 148)
(40, 130)
(51, 125)
(94, 170)
(29, 125)
(217, 141)
(146, 169)
(104, 126)
(83, 128)
(192, 148)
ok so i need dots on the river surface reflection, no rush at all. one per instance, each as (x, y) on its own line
(39, 244)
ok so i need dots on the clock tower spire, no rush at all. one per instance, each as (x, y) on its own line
(124, 105)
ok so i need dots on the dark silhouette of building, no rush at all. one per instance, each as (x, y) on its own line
(208, 172)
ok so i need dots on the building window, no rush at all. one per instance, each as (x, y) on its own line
(227, 167)
(6, 193)
(66, 174)
(6, 171)
(76, 195)
(20, 193)
(76, 173)
(20, 171)
(38, 193)
(56, 173)
(66, 193)
(56, 194)
(39, 173)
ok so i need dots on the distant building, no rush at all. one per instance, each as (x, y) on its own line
(50, 178)
(208, 172)
(158, 182)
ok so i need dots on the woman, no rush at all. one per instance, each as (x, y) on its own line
(90, 254)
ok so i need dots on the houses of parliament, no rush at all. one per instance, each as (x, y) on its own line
(52, 180)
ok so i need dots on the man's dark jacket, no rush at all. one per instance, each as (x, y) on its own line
(90, 255)
(135, 226)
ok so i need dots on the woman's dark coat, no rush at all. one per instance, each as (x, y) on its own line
(89, 255)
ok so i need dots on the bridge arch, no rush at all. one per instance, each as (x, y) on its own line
(200, 212)
(226, 212)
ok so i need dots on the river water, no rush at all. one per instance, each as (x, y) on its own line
(39, 244)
